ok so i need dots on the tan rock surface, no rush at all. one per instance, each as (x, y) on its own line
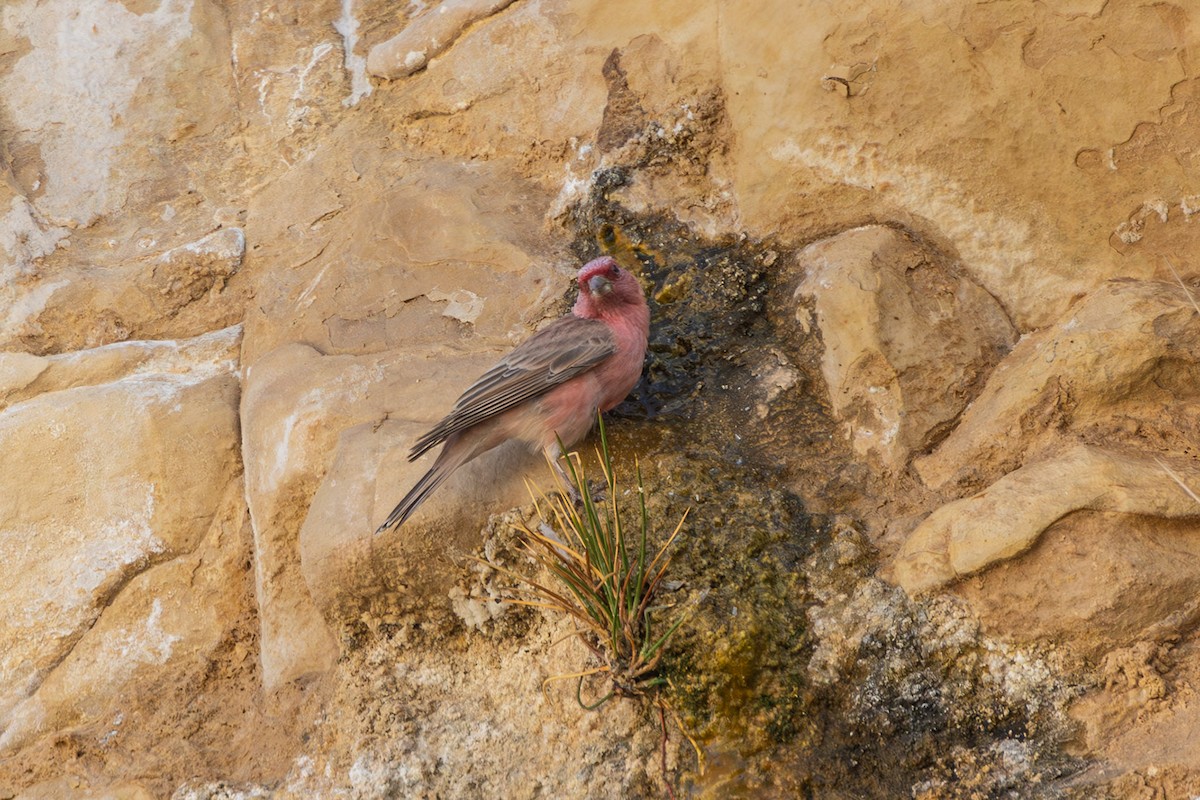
(303, 419)
(906, 340)
(1105, 370)
(1102, 377)
(166, 620)
(1004, 520)
(351, 571)
(387, 319)
(172, 168)
(144, 102)
(1102, 580)
(1070, 140)
(427, 36)
(123, 482)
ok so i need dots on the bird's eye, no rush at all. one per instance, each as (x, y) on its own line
(615, 271)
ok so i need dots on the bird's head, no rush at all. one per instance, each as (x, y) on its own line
(604, 284)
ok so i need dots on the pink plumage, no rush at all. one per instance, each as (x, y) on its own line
(550, 387)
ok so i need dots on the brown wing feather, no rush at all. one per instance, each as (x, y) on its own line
(555, 354)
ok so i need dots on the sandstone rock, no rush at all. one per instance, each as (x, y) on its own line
(428, 35)
(428, 221)
(167, 621)
(17, 371)
(1062, 175)
(130, 464)
(1100, 580)
(221, 790)
(25, 237)
(434, 260)
(329, 466)
(76, 158)
(24, 376)
(968, 535)
(437, 255)
(1140, 724)
(907, 341)
(80, 145)
(353, 572)
(173, 293)
(1073, 416)
(286, 412)
(1087, 373)
(186, 273)
(73, 787)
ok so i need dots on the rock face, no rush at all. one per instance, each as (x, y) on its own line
(925, 268)
(906, 340)
(134, 446)
(1087, 415)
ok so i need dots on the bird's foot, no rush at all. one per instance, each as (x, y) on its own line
(598, 489)
(597, 493)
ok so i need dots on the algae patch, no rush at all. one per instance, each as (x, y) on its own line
(802, 673)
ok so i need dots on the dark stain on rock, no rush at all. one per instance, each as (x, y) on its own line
(907, 709)
(624, 116)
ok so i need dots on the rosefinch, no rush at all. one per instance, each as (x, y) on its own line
(550, 387)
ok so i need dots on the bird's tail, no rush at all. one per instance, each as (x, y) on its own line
(418, 494)
(450, 459)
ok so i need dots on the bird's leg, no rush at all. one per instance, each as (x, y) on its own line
(555, 455)
(597, 489)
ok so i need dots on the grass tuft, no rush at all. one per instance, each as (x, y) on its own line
(603, 575)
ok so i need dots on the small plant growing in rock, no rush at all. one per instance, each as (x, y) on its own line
(603, 575)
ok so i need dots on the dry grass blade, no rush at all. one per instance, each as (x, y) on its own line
(579, 675)
(1183, 286)
(1178, 480)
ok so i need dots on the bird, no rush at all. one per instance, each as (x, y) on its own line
(547, 391)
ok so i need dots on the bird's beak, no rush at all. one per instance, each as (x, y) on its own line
(599, 285)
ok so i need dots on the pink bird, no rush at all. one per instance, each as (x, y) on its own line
(550, 387)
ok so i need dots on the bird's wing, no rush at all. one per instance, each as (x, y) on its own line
(555, 354)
